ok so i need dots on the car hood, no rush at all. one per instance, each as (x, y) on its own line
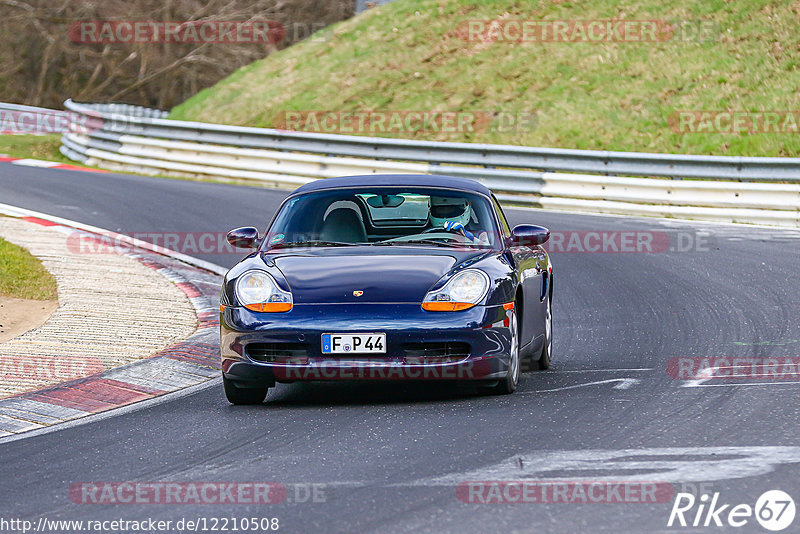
(336, 275)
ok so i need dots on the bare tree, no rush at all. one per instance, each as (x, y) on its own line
(42, 63)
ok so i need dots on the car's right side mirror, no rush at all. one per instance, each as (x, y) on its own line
(527, 235)
(246, 237)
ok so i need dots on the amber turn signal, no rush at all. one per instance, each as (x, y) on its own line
(446, 306)
(269, 306)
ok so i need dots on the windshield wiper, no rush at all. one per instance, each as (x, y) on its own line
(422, 242)
(314, 243)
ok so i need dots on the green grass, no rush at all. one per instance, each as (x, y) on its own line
(33, 146)
(22, 275)
(410, 55)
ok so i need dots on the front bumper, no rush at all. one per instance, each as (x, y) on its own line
(482, 330)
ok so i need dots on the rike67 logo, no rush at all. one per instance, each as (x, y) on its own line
(774, 510)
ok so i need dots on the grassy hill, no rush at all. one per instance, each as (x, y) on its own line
(416, 55)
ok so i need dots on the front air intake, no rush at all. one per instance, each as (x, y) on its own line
(439, 352)
(278, 352)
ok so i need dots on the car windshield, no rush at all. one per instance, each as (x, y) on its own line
(385, 217)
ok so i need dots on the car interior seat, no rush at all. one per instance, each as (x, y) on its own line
(343, 225)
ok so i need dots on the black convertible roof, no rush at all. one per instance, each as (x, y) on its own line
(411, 180)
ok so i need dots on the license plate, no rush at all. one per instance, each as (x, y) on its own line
(353, 343)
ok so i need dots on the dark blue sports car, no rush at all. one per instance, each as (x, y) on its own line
(386, 277)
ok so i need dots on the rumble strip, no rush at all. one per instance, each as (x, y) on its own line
(188, 363)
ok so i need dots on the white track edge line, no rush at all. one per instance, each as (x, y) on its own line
(15, 211)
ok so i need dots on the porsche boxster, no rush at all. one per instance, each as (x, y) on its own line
(386, 277)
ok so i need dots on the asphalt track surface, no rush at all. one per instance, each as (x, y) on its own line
(388, 456)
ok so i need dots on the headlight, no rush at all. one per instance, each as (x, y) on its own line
(463, 291)
(257, 291)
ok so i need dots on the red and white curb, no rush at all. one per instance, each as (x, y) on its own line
(187, 364)
(14, 211)
(26, 162)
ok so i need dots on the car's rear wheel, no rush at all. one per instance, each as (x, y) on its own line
(547, 346)
(511, 381)
(241, 395)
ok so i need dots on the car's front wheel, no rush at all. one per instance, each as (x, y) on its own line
(547, 347)
(240, 395)
(511, 381)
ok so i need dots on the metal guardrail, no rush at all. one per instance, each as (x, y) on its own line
(683, 186)
(127, 110)
(5, 106)
(550, 159)
(21, 119)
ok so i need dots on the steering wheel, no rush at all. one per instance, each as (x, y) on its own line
(443, 230)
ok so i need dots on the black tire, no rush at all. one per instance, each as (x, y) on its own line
(238, 395)
(509, 383)
(546, 355)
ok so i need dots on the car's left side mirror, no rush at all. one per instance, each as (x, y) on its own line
(526, 235)
(246, 237)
